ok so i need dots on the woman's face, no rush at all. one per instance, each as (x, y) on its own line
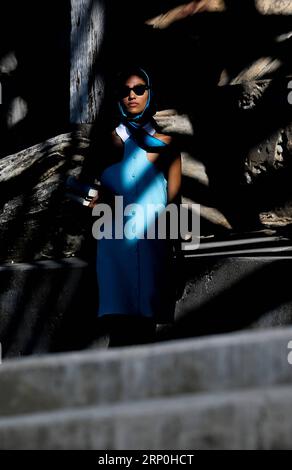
(133, 101)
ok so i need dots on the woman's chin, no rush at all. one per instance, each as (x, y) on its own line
(132, 113)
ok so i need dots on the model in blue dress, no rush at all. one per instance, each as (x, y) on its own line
(134, 271)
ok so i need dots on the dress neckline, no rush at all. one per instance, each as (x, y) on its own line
(124, 133)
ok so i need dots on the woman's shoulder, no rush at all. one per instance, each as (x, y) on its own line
(167, 139)
(172, 150)
(116, 139)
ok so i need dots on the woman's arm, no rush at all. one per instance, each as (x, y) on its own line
(172, 170)
(174, 180)
(174, 197)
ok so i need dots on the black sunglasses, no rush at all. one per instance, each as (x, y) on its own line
(139, 90)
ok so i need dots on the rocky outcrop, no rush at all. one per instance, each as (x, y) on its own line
(239, 144)
(38, 221)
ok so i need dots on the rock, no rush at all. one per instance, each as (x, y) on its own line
(37, 220)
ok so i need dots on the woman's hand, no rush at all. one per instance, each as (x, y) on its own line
(93, 201)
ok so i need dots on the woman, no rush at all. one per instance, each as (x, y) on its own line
(134, 273)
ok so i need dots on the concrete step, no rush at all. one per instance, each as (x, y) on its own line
(42, 306)
(42, 303)
(250, 419)
(224, 294)
(224, 362)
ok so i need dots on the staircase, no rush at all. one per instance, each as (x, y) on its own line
(231, 391)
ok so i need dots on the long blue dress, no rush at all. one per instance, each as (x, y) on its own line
(134, 273)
